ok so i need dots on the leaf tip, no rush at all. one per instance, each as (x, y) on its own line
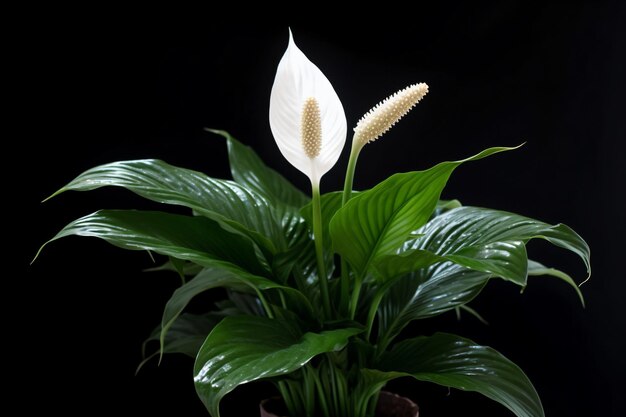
(219, 132)
(38, 253)
(51, 196)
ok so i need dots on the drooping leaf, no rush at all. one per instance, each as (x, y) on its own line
(378, 221)
(537, 269)
(484, 240)
(232, 205)
(453, 361)
(247, 348)
(474, 244)
(472, 312)
(196, 239)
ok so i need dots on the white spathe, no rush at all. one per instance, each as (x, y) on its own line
(297, 81)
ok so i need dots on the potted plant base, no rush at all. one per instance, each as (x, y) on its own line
(389, 405)
(328, 334)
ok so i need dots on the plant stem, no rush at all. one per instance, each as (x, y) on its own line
(354, 301)
(285, 392)
(320, 391)
(371, 315)
(347, 194)
(347, 185)
(265, 304)
(319, 249)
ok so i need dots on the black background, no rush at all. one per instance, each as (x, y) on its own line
(110, 86)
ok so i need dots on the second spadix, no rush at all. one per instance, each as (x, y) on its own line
(385, 114)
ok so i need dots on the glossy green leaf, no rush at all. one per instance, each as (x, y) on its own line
(232, 205)
(426, 293)
(507, 260)
(453, 361)
(196, 239)
(189, 268)
(389, 267)
(457, 254)
(490, 241)
(378, 221)
(250, 171)
(224, 276)
(537, 269)
(247, 348)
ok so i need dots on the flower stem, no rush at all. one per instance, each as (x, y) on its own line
(347, 194)
(319, 249)
(347, 186)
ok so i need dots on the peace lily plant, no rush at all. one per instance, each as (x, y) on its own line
(328, 336)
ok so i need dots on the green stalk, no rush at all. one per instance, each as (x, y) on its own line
(319, 249)
(265, 304)
(287, 398)
(333, 385)
(347, 194)
(320, 392)
(356, 292)
(309, 394)
(371, 315)
(347, 185)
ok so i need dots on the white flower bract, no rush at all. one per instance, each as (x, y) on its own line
(302, 94)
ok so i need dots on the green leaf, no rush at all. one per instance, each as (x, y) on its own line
(426, 293)
(472, 312)
(536, 269)
(196, 239)
(232, 205)
(445, 205)
(189, 268)
(507, 260)
(389, 267)
(377, 222)
(185, 336)
(226, 276)
(459, 251)
(247, 348)
(484, 240)
(453, 361)
(250, 171)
